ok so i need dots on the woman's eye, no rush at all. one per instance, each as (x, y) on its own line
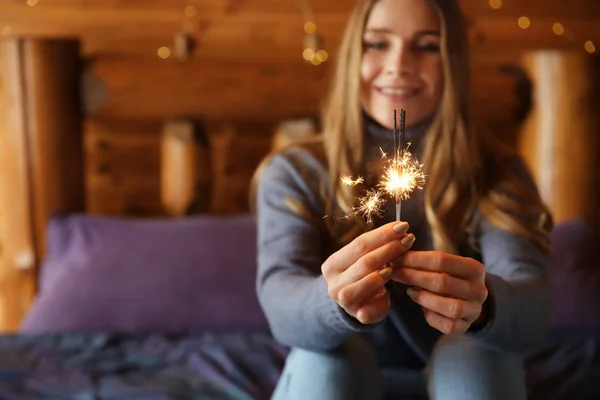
(375, 45)
(430, 48)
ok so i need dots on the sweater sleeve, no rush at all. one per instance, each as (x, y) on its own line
(520, 293)
(291, 250)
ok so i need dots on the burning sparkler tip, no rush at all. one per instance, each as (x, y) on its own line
(402, 175)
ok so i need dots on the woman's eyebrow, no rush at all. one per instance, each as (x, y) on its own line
(427, 33)
(378, 30)
(424, 32)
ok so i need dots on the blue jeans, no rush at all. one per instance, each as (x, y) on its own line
(459, 369)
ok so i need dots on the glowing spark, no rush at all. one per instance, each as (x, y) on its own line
(401, 176)
(370, 205)
(347, 180)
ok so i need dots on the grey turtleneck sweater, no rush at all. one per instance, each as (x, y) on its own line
(291, 250)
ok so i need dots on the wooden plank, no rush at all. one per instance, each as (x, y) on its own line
(560, 142)
(54, 129)
(236, 151)
(122, 167)
(143, 88)
(18, 257)
(153, 89)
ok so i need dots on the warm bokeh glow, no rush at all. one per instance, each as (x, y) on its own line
(590, 47)
(496, 4)
(164, 52)
(190, 11)
(558, 29)
(310, 27)
(524, 22)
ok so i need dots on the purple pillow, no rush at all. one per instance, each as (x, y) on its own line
(162, 276)
(574, 271)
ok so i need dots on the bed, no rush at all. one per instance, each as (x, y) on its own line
(144, 309)
(166, 309)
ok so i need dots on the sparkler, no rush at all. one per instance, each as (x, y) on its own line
(400, 177)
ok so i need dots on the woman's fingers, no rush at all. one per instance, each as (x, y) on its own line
(375, 310)
(362, 245)
(376, 259)
(436, 282)
(444, 324)
(352, 297)
(437, 261)
(450, 308)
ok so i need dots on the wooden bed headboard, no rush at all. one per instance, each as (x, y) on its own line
(59, 153)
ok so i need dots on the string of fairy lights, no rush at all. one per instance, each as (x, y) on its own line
(314, 54)
(558, 28)
(313, 51)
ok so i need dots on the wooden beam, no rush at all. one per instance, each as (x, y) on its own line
(157, 89)
(560, 141)
(18, 255)
(143, 88)
(41, 156)
(55, 133)
(185, 168)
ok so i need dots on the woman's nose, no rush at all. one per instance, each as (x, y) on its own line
(399, 62)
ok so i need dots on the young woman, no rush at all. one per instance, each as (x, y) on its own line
(366, 307)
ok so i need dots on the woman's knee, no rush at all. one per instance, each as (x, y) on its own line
(349, 372)
(461, 368)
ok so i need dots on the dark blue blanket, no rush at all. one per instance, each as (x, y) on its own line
(232, 366)
(110, 367)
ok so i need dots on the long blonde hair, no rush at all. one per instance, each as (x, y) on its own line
(465, 171)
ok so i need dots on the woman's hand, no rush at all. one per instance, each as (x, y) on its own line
(451, 289)
(357, 273)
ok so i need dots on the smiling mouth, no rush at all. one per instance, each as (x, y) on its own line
(398, 92)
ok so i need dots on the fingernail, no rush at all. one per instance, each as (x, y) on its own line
(401, 227)
(408, 241)
(412, 293)
(385, 273)
(382, 292)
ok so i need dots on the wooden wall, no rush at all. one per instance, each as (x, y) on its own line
(245, 75)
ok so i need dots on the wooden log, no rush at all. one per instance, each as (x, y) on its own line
(153, 89)
(185, 168)
(140, 88)
(54, 129)
(18, 256)
(41, 169)
(560, 141)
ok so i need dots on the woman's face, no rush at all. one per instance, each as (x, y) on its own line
(401, 64)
